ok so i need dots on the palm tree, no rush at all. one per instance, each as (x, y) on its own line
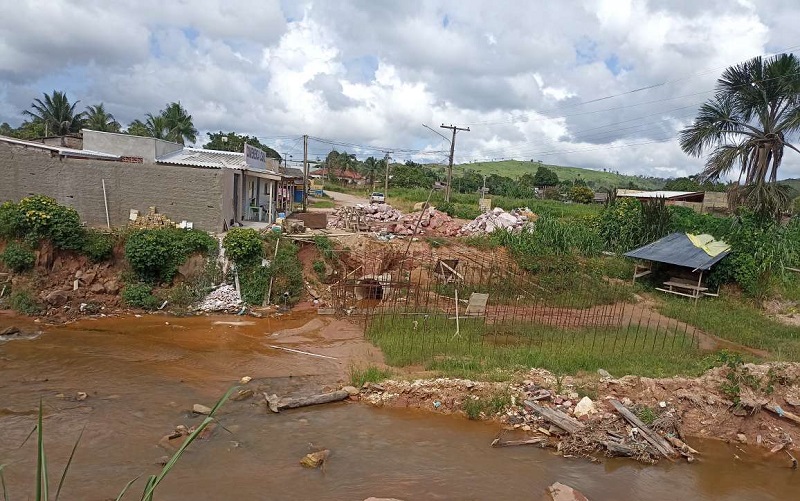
(178, 124)
(371, 167)
(97, 118)
(747, 125)
(56, 114)
(156, 126)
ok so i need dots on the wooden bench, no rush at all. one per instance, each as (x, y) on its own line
(683, 287)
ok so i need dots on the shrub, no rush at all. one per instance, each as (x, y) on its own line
(97, 246)
(319, 267)
(11, 221)
(581, 195)
(22, 301)
(325, 247)
(44, 218)
(621, 225)
(140, 295)
(154, 255)
(18, 257)
(243, 245)
(195, 241)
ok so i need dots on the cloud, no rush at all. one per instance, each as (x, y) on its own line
(603, 84)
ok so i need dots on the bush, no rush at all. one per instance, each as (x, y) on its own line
(43, 218)
(18, 257)
(243, 246)
(155, 255)
(22, 301)
(621, 225)
(97, 246)
(140, 295)
(581, 195)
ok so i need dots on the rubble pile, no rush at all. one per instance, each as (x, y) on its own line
(498, 219)
(225, 298)
(381, 213)
(152, 220)
(431, 222)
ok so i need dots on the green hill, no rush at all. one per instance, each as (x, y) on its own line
(594, 178)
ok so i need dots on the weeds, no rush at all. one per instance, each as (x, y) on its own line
(23, 301)
(475, 406)
(646, 414)
(325, 247)
(370, 374)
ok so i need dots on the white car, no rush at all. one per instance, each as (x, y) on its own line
(377, 198)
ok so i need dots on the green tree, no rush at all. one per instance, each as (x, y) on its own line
(7, 130)
(545, 177)
(231, 141)
(137, 128)
(371, 168)
(97, 118)
(179, 125)
(56, 114)
(156, 126)
(747, 125)
(581, 195)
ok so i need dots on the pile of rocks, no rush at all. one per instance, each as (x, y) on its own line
(498, 219)
(152, 220)
(225, 298)
(381, 212)
(431, 221)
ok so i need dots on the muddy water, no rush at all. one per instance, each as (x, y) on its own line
(142, 374)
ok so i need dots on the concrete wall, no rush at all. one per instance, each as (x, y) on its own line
(124, 145)
(180, 193)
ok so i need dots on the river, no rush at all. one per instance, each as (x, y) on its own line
(142, 374)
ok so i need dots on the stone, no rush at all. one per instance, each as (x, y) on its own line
(97, 288)
(88, 277)
(10, 331)
(741, 437)
(563, 492)
(81, 396)
(604, 374)
(351, 390)
(57, 298)
(201, 409)
(111, 287)
(243, 395)
(584, 407)
(315, 459)
(245, 380)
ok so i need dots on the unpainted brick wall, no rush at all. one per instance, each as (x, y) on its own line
(181, 193)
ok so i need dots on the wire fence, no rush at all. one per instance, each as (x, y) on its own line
(446, 307)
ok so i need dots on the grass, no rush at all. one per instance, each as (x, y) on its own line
(496, 352)
(322, 203)
(369, 374)
(475, 406)
(737, 320)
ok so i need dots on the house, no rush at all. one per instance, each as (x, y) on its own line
(698, 201)
(348, 176)
(106, 175)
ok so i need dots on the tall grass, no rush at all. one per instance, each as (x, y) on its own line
(500, 350)
(42, 489)
(370, 374)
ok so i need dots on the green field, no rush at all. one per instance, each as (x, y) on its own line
(516, 168)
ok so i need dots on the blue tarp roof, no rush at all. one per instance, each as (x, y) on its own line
(677, 249)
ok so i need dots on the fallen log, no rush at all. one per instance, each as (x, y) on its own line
(511, 443)
(293, 403)
(681, 445)
(775, 409)
(653, 438)
(558, 418)
(617, 449)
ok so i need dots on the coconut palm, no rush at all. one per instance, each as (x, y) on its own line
(748, 123)
(97, 118)
(371, 167)
(56, 114)
(156, 126)
(179, 124)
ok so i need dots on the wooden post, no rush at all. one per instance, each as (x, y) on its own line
(697, 292)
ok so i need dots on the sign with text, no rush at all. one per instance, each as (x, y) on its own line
(255, 158)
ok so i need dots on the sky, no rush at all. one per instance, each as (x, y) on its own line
(600, 84)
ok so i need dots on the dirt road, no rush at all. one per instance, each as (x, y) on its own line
(346, 200)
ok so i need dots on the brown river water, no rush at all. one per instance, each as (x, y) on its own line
(142, 374)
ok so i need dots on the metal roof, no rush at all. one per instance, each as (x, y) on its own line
(212, 159)
(677, 249)
(661, 194)
(61, 150)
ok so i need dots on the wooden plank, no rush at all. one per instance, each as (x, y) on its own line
(652, 437)
(782, 413)
(293, 403)
(558, 418)
(511, 443)
(676, 293)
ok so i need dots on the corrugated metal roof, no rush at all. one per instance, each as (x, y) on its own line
(61, 150)
(212, 159)
(660, 194)
(677, 249)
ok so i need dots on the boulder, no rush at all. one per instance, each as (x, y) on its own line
(351, 390)
(9, 331)
(97, 288)
(563, 492)
(57, 298)
(201, 409)
(111, 287)
(584, 408)
(88, 277)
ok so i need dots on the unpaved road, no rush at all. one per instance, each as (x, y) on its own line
(345, 200)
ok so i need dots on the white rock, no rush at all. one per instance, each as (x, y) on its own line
(584, 408)
(201, 409)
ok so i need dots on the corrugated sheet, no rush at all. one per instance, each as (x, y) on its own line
(67, 152)
(659, 194)
(212, 159)
(677, 249)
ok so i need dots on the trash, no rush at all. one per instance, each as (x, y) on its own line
(225, 298)
(315, 459)
(498, 219)
(245, 380)
(201, 409)
(81, 396)
(242, 395)
(437, 404)
(563, 492)
(663, 405)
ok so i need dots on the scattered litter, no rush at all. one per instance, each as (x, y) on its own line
(225, 298)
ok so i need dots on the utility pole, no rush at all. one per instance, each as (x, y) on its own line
(305, 172)
(452, 153)
(386, 179)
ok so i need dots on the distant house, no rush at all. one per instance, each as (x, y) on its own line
(600, 197)
(348, 176)
(698, 201)
(212, 189)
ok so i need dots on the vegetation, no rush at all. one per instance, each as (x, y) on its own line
(98, 246)
(581, 195)
(173, 123)
(97, 118)
(545, 177)
(369, 374)
(243, 246)
(475, 406)
(22, 301)
(285, 272)
(231, 141)
(140, 295)
(56, 114)
(747, 126)
(156, 254)
(18, 257)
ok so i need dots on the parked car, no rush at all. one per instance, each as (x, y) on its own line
(377, 198)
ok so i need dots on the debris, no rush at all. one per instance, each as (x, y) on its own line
(511, 443)
(562, 492)
(81, 396)
(351, 390)
(243, 395)
(652, 437)
(201, 409)
(315, 459)
(558, 418)
(245, 380)
(293, 403)
(225, 298)
(741, 437)
(584, 408)
(151, 220)
(782, 413)
(301, 352)
(498, 219)
(682, 446)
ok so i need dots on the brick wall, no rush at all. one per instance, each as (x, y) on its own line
(181, 193)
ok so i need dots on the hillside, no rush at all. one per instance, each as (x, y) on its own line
(516, 168)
